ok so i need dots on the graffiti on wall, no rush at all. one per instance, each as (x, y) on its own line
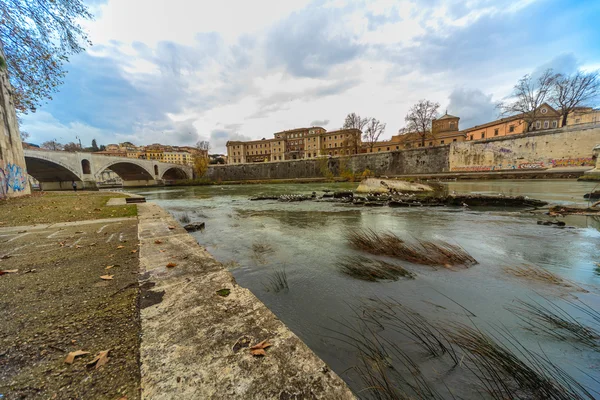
(574, 162)
(12, 178)
(532, 165)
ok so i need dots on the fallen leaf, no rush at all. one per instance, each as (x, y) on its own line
(134, 251)
(157, 241)
(8, 271)
(92, 244)
(109, 266)
(78, 246)
(262, 345)
(171, 265)
(171, 227)
(258, 352)
(71, 356)
(100, 359)
(79, 232)
(107, 277)
(162, 251)
(61, 244)
(120, 247)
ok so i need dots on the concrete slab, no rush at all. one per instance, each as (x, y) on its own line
(195, 342)
(116, 201)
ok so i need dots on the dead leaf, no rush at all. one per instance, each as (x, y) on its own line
(71, 356)
(92, 244)
(109, 266)
(78, 246)
(162, 251)
(134, 251)
(78, 231)
(258, 352)
(171, 227)
(61, 244)
(120, 247)
(157, 241)
(171, 265)
(107, 277)
(262, 345)
(8, 271)
(100, 359)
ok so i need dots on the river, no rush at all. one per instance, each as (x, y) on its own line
(257, 239)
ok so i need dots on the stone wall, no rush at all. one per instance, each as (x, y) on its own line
(13, 173)
(558, 148)
(423, 161)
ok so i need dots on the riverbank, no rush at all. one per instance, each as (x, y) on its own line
(54, 300)
(173, 320)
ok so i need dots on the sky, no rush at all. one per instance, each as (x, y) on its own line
(176, 71)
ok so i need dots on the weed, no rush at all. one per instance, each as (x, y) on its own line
(372, 270)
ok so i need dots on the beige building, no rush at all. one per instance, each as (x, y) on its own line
(584, 115)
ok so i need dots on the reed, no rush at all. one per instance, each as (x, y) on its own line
(541, 275)
(277, 282)
(418, 252)
(184, 218)
(366, 269)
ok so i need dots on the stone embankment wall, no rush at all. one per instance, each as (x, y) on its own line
(426, 161)
(13, 174)
(558, 148)
(562, 148)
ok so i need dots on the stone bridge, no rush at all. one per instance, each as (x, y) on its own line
(56, 170)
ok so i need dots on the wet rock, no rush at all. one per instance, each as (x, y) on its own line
(374, 204)
(502, 201)
(264, 198)
(194, 226)
(327, 195)
(342, 194)
(374, 185)
(294, 197)
(592, 195)
(548, 223)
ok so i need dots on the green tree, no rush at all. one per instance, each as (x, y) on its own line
(37, 38)
(95, 145)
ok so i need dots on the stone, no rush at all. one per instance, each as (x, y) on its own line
(374, 185)
(342, 194)
(194, 226)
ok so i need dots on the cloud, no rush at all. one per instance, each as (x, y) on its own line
(472, 106)
(310, 42)
(563, 64)
(219, 137)
(320, 122)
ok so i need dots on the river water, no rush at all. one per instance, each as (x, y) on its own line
(256, 239)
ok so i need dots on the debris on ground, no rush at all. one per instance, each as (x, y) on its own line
(259, 349)
(72, 355)
(100, 359)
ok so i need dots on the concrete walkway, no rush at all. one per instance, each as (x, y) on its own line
(195, 341)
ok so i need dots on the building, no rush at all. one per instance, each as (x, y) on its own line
(296, 144)
(584, 115)
(156, 151)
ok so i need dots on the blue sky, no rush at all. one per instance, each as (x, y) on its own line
(175, 72)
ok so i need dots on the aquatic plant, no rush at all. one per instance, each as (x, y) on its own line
(184, 218)
(262, 248)
(372, 270)
(555, 321)
(419, 251)
(541, 275)
(277, 282)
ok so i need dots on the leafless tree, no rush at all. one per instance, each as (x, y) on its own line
(420, 116)
(72, 147)
(373, 129)
(37, 37)
(528, 95)
(203, 145)
(24, 136)
(354, 120)
(52, 145)
(571, 91)
(351, 143)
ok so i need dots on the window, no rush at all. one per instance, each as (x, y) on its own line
(442, 142)
(511, 128)
(538, 124)
(430, 143)
(388, 149)
(577, 120)
(496, 132)
(397, 147)
(471, 137)
(483, 135)
(379, 149)
(454, 140)
(546, 124)
(554, 124)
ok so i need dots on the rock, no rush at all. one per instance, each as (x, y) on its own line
(327, 195)
(593, 195)
(342, 194)
(374, 185)
(194, 226)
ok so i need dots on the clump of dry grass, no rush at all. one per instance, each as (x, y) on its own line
(277, 282)
(553, 320)
(419, 252)
(372, 270)
(540, 275)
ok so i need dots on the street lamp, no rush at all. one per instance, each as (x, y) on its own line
(78, 138)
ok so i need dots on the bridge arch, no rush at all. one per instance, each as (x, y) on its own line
(45, 170)
(175, 173)
(85, 166)
(127, 169)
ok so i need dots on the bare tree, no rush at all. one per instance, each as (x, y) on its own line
(373, 129)
(420, 116)
(528, 95)
(203, 145)
(24, 136)
(354, 120)
(571, 91)
(351, 143)
(52, 145)
(37, 37)
(72, 147)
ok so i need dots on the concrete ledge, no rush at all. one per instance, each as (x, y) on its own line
(189, 332)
